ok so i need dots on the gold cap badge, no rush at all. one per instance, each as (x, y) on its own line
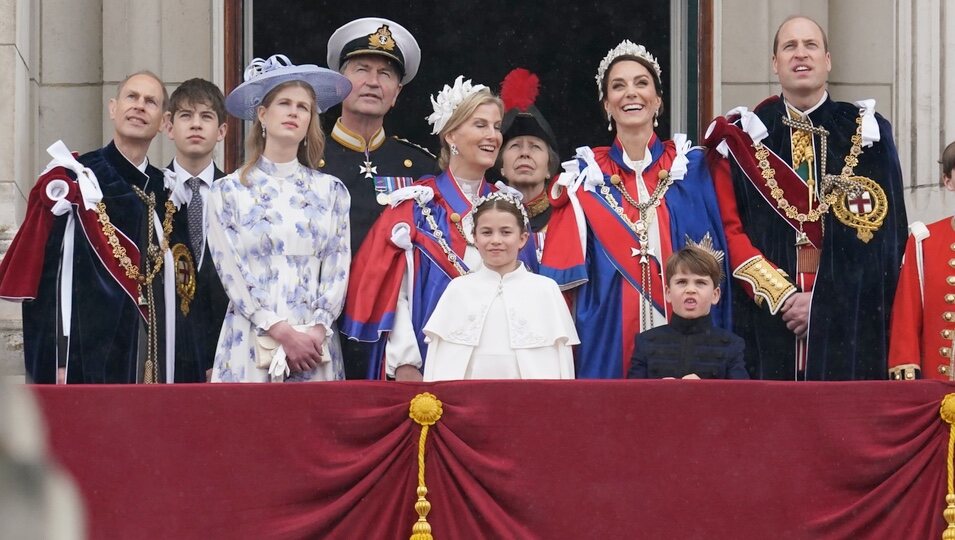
(382, 39)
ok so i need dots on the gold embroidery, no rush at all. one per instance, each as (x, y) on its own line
(382, 39)
(768, 283)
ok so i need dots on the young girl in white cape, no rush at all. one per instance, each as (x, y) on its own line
(501, 321)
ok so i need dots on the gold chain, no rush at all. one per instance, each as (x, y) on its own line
(153, 266)
(769, 174)
(655, 197)
(119, 252)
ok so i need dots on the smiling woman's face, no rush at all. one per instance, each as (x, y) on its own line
(632, 98)
(478, 140)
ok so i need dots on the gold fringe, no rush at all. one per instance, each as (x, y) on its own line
(426, 410)
(947, 412)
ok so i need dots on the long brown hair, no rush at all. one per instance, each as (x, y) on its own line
(310, 152)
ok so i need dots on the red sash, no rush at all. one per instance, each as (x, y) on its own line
(743, 150)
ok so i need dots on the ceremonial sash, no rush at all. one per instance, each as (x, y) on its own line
(794, 188)
(611, 231)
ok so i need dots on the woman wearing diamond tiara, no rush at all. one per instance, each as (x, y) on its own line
(425, 238)
(501, 321)
(619, 211)
(279, 231)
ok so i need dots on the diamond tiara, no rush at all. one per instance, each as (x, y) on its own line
(626, 47)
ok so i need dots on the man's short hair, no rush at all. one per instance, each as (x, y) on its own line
(197, 92)
(825, 38)
(948, 159)
(146, 72)
(694, 260)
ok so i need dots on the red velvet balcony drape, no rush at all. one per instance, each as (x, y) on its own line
(561, 459)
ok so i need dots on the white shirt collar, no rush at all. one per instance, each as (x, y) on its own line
(207, 175)
(807, 112)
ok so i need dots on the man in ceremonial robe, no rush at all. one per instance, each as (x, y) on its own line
(811, 198)
(379, 57)
(97, 297)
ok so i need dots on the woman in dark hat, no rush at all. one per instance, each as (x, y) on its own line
(529, 155)
(279, 231)
(621, 211)
(426, 237)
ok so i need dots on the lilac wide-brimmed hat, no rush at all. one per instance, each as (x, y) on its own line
(262, 76)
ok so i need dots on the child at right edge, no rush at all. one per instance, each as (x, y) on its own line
(689, 347)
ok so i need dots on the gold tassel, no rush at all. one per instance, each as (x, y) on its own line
(425, 410)
(947, 412)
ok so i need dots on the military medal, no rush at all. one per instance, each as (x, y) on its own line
(384, 185)
(368, 169)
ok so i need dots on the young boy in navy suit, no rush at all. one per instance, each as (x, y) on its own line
(195, 122)
(689, 347)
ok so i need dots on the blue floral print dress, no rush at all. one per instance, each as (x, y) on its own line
(281, 247)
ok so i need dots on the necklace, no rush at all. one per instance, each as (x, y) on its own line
(641, 228)
(831, 183)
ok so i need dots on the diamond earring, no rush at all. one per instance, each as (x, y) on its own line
(454, 149)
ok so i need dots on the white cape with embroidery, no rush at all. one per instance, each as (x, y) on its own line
(486, 326)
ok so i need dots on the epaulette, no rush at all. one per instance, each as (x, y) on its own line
(414, 145)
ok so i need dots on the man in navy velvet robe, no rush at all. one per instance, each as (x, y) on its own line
(88, 262)
(812, 204)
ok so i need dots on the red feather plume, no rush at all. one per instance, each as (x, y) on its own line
(519, 89)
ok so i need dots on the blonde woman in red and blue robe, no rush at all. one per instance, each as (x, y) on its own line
(620, 211)
(425, 238)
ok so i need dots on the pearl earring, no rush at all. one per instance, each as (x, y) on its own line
(263, 131)
(609, 122)
(655, 115)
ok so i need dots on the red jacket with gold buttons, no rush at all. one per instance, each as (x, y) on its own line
(922, 331)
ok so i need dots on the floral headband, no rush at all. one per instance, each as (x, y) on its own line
(448, 100)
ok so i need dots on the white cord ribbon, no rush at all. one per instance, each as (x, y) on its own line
(680, 162)
(751, 124)
(870, 126)
(169, 297)
(89, 185)
(421, 194)
(571, 179)
(180, 193)
(401, 237)
(919, 232)
(57, 191)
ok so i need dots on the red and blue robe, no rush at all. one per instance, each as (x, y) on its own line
(380, 265)
(604, 280)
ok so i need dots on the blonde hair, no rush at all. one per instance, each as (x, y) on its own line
(309, 154)
(461, 114)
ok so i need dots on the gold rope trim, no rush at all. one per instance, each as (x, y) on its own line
(947, 412)
(425, 409)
